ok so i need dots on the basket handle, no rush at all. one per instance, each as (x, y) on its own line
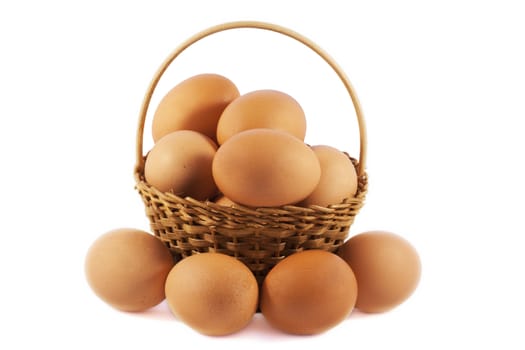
(139, 167)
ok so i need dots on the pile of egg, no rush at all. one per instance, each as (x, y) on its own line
(212, 143)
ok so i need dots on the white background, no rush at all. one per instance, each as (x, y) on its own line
(442, 86)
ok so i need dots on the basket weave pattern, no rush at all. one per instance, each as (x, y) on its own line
(259, 237)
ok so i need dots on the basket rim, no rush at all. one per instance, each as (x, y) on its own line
(140, 157)
(170, 197)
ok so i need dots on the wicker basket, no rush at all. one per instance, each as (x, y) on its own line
(259, 237)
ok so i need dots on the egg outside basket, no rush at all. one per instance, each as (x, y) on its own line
(259, 237)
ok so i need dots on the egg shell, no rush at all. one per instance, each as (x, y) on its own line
(308, 292)
(213, 293)
(194, 104)
(265, 168)
(338, 178)
(386, 266)
(181, 163)
(270, 109)
(127, 269)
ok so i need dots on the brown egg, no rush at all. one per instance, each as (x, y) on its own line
(265, 168)
(194, 104)
(386, 266)
(181, 163)
(213, 293)
(127, 269)
(338, 178)
(308, 292)
(262, 109)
